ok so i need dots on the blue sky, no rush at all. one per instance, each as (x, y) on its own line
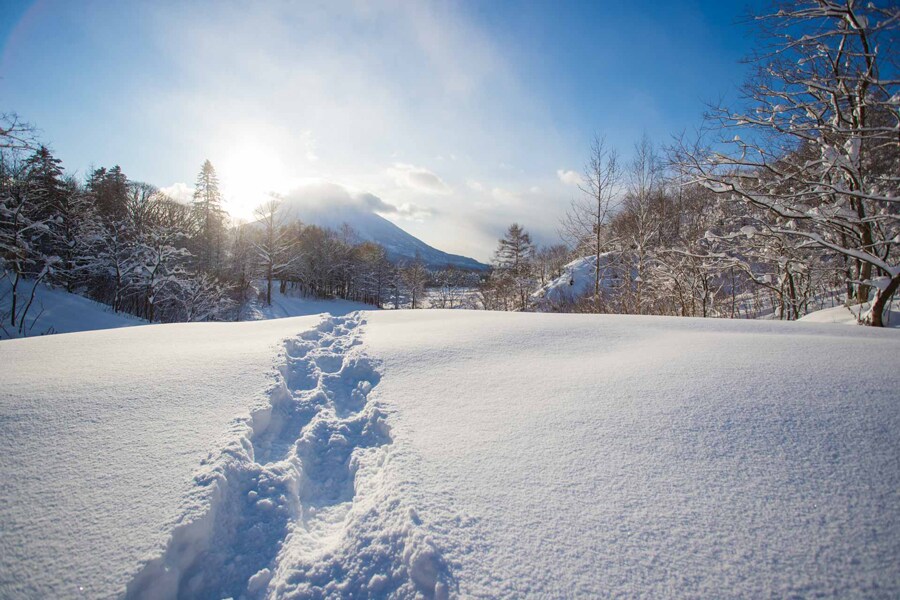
(463, 116)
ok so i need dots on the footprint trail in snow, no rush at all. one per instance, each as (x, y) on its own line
(298, 503)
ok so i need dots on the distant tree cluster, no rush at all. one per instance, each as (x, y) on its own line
(120, 242)
(518, 268)
(793, 198)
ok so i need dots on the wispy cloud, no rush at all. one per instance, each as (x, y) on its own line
(406, 210)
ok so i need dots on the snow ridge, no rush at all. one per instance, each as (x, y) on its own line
(299, 503)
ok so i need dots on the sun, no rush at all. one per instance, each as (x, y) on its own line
(249, 172)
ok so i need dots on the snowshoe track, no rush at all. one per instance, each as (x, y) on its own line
(282, 495)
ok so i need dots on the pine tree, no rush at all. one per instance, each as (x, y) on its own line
(62, 206)
(210, 218)
(109, 191)
(514, 263)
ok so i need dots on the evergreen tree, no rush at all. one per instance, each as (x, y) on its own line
(210, 218)
(514, 264)
(109, 191)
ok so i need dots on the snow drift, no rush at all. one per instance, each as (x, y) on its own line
(452, 453)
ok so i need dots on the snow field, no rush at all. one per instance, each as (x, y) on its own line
(583, 455)
(102, 433)
(297, 500)
(452, 454)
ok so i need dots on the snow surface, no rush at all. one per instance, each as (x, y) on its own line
(58, 311)
(452, 453)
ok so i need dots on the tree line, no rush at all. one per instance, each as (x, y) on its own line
(771, 207)
(127, 244)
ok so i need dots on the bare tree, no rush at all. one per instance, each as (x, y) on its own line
(15, 134)
(587, 221)
(415, 278)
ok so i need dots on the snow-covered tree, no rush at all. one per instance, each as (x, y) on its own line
(273, 245)
(817, 149)
(25, 224)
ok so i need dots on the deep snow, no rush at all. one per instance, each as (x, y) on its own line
(452, 453)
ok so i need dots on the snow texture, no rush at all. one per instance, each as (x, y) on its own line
(622, 456)
(297, 505)
(452, 454)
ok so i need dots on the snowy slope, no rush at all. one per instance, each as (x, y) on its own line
(101, 433)
(568, 455)
(452, 453)
(849, 315)
(577, 281)
(334, 212)
(57, 311)
(291, 304)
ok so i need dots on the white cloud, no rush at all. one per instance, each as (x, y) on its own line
(569, 177)
(322, 194)
(475, 185)
(418, 178)
(180, 192)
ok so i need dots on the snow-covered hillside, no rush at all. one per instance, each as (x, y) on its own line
(57, 311)
(332, 207)
(292, 304)
(577, 280)
(851, 315)
(452, 453)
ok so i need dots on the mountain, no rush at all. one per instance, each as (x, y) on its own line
(331, 206)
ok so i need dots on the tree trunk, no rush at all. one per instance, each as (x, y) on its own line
(882, 297)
